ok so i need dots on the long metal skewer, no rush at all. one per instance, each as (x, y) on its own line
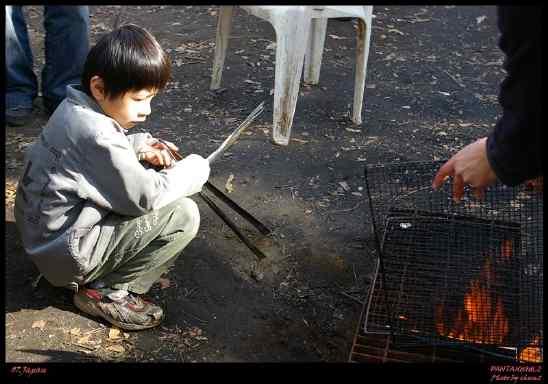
(234, 135)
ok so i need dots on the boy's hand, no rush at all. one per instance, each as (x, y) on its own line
(157, 153)
(163, 144)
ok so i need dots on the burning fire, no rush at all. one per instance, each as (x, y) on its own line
(532, 353)
(482, 318)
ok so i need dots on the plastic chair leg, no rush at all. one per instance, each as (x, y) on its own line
(314, 50)
(362, 54)
(224, 26)
(291, 37)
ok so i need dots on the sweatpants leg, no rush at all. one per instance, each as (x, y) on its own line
(143, 248)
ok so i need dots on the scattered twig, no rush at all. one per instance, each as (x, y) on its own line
(197, 318)
(36, 281)
(354, 272)
(88, 347)
(454, 79)
(346, 210)
(352, 297)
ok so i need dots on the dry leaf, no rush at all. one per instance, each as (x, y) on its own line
(114, 333)
(480, 19)
(116, 348)
(84, 339)
(396, 31)
(75, 331)
(228, 186)
(251, 82)
(39, 324)
(164, 282)
(344, 185)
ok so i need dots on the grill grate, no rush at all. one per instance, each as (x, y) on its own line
(387, 348)
(466, 275)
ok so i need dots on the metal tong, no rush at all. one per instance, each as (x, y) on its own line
(228, 201)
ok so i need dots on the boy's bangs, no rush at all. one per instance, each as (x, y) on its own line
(148, 72)
(127, 59)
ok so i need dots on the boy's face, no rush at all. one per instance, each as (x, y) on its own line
(130, 108)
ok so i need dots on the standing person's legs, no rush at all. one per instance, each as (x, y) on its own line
(141, 250)
(67, 46)
(21, 82)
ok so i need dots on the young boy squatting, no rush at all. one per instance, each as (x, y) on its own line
(90, 215)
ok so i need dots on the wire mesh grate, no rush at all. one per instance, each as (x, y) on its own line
(457, 273)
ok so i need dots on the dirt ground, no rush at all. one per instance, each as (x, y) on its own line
(431, 87)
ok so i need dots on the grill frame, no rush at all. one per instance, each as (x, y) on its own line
(405, 187)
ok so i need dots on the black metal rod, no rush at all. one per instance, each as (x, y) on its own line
(232, 226)
(242, 212)
(379, 251)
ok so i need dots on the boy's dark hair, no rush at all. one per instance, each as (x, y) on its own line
(128, 58)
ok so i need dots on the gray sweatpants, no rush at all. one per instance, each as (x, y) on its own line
(143, 248)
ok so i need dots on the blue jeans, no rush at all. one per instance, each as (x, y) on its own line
(66, 46)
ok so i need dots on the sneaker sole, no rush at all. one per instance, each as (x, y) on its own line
(90, 310)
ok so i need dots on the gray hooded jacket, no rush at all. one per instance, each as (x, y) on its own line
(81, 168)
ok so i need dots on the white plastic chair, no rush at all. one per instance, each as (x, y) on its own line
(293, 26)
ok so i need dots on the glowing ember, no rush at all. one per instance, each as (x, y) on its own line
(532, 353)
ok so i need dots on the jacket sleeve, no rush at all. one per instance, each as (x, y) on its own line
(137, 140)
(514, 146)
(113, 178)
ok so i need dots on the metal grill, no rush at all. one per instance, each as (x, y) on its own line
(392, 348)
(466, 274)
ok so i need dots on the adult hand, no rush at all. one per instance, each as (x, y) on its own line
(468, 166)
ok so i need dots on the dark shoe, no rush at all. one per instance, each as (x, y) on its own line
(131, 313)
(18, 116)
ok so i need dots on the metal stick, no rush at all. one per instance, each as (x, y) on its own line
(232, 226)
(234, 135)
(242, 212)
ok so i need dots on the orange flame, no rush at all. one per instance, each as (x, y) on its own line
(532, 353)
(482, 318)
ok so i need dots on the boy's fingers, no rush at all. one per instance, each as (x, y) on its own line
(166, 157)
(171, 146)
(159, 158)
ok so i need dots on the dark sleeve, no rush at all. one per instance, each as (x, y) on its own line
(514, 146)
